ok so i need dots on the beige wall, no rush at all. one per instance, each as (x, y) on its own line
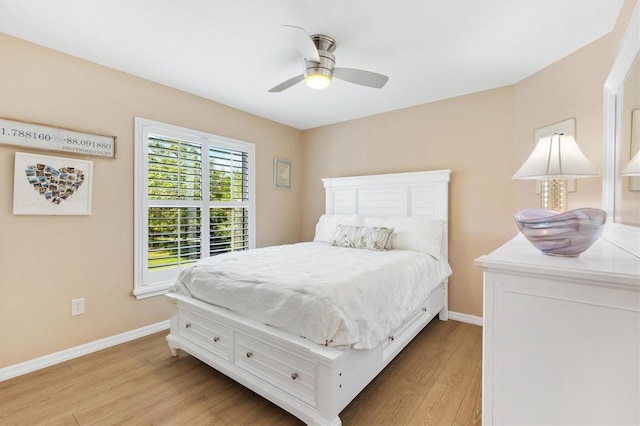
(570, 88)
(484, 137)
(45, 261)
(472, 135)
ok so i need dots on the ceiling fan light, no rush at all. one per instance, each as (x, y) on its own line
(318, 81)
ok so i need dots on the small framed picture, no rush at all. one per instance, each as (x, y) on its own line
(46, 185)
(282, 174)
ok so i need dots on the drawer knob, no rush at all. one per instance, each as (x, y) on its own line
(249, 354)
(391, 338)
(294, 376)
(424, 309)
(188, 325)
(216, 339)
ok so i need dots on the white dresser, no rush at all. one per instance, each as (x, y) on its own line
(561, 340)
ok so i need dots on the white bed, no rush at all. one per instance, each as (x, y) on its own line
(310, 380)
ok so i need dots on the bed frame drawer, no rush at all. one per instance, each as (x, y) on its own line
(211, 335)
(291, 374)
(413, 324)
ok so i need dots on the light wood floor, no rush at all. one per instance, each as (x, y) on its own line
(435, 380)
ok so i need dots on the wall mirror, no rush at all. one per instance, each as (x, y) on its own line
(621, 194)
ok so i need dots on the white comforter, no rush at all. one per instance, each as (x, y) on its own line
(330, 295)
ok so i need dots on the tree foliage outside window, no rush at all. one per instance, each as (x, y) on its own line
(175, 173)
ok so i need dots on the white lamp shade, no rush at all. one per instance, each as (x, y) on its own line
(633, 167)
(556, 157)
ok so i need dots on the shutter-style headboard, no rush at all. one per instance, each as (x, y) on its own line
(424, 194)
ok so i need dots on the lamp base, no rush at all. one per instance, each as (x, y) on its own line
(554, 194)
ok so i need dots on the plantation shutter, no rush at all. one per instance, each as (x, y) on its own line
(174, 174)
(229, 194)
(176, 217)
(194, 199)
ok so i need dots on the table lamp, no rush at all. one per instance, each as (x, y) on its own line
(555, 159)
(551, 229)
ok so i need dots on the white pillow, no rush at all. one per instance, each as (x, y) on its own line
(412, 233)
(328, 224)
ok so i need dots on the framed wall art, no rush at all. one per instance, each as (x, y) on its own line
(46, 185)
(282, 174)
(39, 136)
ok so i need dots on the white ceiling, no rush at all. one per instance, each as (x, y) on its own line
(233, 51)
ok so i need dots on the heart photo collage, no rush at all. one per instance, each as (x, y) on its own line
(55, 185)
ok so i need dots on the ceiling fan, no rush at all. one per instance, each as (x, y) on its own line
(319, 64)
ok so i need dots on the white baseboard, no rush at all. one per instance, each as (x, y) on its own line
(471, 319)
(97, 345)
(78, 351)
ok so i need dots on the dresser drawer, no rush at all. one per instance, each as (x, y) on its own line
(209, 334)
(291, 374)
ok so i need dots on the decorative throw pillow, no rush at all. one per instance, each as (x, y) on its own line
(362, 237)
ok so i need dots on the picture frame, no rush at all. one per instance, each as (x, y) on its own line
(48, 185)
(282, 170)
(40, 136)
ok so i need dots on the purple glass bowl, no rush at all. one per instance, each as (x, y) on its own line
(561, 234)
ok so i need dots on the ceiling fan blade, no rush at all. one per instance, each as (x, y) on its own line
(361, 77)
(286, 84)
(303, 42)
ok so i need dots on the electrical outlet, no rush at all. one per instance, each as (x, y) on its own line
(77, 307)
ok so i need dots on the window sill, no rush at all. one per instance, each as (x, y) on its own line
(150, 291)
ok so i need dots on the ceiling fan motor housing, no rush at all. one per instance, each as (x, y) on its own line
(325, 46)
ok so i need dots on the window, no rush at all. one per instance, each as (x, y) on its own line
(194, 198)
